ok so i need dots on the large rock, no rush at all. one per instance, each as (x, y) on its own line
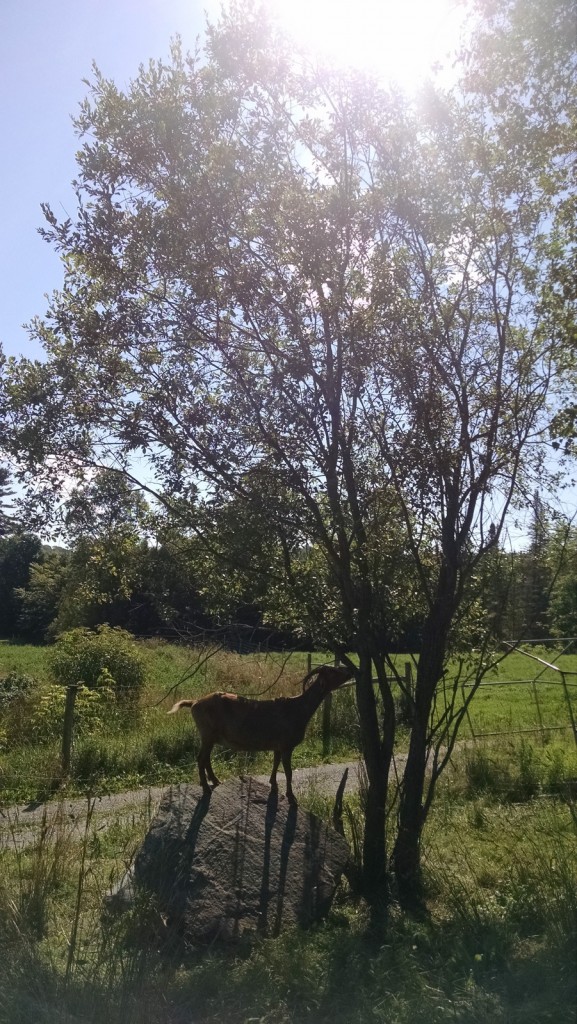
(237, 860)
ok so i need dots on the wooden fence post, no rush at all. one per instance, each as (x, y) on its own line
(409, 682)
(67, 731)
(406, 698)
(327, 706)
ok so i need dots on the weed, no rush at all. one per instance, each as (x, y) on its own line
(518, 771)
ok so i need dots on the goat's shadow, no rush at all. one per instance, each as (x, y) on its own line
(268, 894)
(176, 859)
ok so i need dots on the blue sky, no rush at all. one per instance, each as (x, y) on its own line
(46, 49)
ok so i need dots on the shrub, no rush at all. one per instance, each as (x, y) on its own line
(105, 657)
(14, 687)
(93, 709)
(16, 690)
(95, 760)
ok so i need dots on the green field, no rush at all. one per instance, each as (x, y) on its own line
(114, 752)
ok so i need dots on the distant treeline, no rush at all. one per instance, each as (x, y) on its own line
(147, 589)
(158, 590)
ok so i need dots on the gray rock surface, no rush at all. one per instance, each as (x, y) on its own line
(237, 860)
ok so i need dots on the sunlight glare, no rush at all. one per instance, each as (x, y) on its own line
(398, 39)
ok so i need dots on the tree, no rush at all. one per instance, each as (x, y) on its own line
(39, 600)
(17, 554)
(537, 575)
(113, 574)
(289, 293)
(561, 558)
(523, 69)
(7, 522)
(103, 520)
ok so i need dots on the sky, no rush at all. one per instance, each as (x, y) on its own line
(46, 50)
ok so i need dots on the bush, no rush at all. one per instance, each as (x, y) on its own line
(105, 657)
(93, 710)
(15, 691)
(14, 687)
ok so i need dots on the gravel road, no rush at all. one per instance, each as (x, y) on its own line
(20, 825)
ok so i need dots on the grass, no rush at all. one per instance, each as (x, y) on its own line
(24, 658)
(498, 942)
(521, 694)
(519, 770)
(114, 752)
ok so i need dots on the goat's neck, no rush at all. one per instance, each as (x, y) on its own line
(312, 697)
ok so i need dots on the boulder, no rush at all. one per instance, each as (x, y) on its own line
(237, 860)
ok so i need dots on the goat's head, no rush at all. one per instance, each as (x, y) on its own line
(328, 677)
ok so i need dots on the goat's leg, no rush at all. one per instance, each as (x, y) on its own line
(205, 767)
(275, 764)
(211, 775)
(286, 763)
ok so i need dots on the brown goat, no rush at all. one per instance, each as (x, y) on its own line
(243, 723)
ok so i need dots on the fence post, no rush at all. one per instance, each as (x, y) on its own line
(406, 698)
(327, 705)
(473, 736)
(67, 731)
(537, 705)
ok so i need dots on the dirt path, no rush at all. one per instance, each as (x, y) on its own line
(20, 825)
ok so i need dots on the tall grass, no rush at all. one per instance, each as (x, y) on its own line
(498, 942)
(519, 770)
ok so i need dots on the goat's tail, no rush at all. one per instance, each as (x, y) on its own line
(181, 704)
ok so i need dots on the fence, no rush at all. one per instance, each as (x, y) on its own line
(564, 678)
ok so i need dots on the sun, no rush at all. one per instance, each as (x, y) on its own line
(398, 39)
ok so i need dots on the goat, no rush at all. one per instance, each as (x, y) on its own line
(243, 723)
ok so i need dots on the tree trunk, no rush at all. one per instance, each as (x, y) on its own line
(374, 841)
(406, 853)
(406, 857)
